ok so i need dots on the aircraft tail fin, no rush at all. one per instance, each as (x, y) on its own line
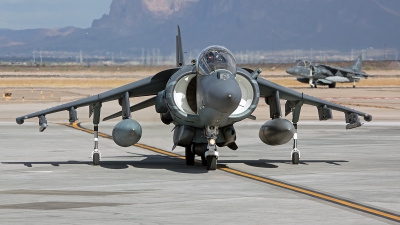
(357, 64)
(180, 61)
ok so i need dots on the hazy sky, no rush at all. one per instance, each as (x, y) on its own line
(27, 14)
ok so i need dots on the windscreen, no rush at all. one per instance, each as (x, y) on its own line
(303, 63)
(215, 58)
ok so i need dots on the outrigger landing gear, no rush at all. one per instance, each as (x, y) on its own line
(354, 84)
(295, 108)
(295, 152)
(96, 155)
(211, 154)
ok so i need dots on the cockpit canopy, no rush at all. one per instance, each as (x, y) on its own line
(303, 63)
(215, 58)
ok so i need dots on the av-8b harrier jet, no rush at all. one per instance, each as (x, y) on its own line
(203, 101)
(322, 74)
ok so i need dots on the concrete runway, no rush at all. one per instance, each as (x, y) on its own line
(47, 178)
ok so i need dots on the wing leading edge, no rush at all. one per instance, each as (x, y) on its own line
(268, 89)
(145, 87)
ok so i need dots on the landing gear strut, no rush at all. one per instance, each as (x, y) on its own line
(96, 155)
(96, 152)
(354, 84)
(312, 85)
(295, 152)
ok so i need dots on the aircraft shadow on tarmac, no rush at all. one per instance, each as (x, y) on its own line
(267, 163)
(172, 164)
(149, 162)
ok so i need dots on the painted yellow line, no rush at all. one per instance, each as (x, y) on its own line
(339, 201)
(77, 126)
(319, 195)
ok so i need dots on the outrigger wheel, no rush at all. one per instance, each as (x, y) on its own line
(96, 158)
(295, 158)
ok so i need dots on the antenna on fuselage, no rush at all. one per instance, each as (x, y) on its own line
(180, 61)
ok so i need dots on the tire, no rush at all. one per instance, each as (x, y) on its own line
(295, 158)
(203, 160)
(211, 163)
(96, 159)
(333, 85)
(189, 156)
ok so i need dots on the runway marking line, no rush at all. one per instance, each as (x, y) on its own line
(319, 195)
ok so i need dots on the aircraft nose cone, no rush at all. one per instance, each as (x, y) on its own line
(224, 95)
(290, 70)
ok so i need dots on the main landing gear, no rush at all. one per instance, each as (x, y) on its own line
(207, 159)
(312, 84)
(189, 155)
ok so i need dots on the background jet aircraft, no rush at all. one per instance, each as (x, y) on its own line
(322, 74)
(203, 100)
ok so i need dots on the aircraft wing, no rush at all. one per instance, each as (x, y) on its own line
(344, 71)
(268, 89)
(145, 87)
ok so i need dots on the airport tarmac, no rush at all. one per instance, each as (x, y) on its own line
(47, 178)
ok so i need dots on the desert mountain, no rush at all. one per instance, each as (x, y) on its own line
(237, 24)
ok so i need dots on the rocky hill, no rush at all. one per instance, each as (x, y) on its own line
(240, 25)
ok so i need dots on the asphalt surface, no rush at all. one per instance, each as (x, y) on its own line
(47, 178)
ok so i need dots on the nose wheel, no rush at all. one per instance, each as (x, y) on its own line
(211, 162)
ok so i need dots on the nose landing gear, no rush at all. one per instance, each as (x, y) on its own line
(211, 154)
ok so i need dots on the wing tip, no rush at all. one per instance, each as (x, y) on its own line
(20, 120)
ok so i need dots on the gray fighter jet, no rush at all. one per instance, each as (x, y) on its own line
(203, 101)
(322, 74)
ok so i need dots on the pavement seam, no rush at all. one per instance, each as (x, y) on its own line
(318, 195)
